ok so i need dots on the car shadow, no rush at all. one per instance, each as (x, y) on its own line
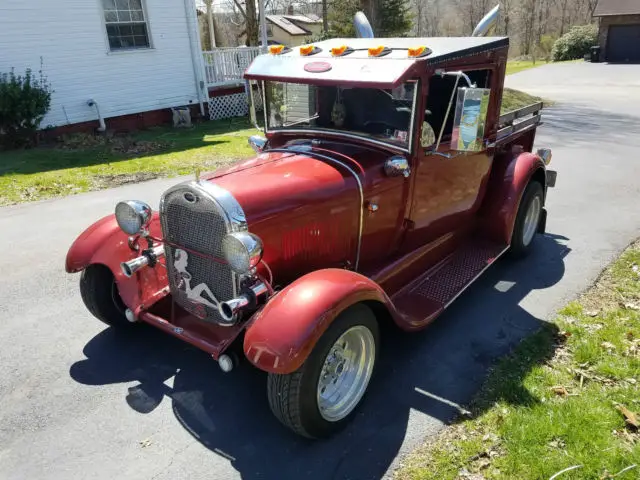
(420, 377)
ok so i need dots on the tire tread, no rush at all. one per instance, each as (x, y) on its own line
(95, 289)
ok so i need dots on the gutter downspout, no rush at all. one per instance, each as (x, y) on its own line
(92, 103)
(196, 56)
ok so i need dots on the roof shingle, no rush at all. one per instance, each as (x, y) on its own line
(617, 7)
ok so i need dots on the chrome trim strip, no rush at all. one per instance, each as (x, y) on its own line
(355, 175)
(476, 277)
(264, 107)
(414, 128)
(236, 218)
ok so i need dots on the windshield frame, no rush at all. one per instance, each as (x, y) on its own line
(339, 133)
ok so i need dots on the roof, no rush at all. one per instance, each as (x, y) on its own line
(309, 18)
(617, 7)
(291, 27)
(358, 68)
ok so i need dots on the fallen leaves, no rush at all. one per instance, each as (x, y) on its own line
(560, 391)
(608, 346)
(145, 443)
(630, 418)
(557, 444)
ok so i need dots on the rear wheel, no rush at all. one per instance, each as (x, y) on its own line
(527, 220)
(321, 396)
(101, 297)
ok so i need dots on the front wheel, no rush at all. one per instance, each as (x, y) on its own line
(527, 220)
(101, 297)
(321, 396)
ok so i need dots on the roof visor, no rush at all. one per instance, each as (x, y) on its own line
(368, 62)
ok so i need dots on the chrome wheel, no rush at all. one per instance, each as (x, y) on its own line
(346, 373)
(531, 220)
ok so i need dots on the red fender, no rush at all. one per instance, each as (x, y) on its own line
(283, 333)
(505, 190)
(105, 243)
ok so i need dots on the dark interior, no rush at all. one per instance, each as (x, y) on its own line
(367, 110)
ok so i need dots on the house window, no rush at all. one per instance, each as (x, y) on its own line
(126, 24)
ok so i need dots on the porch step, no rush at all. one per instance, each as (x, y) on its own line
(430, 294)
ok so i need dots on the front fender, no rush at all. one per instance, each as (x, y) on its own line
(283, 333)
(105, 243)
(505, 191)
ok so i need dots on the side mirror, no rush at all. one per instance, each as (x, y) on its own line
(470, 119)
(397, 166)
(257, 143)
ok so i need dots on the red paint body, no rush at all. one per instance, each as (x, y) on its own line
(306, 210)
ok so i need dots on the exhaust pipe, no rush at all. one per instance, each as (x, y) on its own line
(148, 257)
(487, 23)
(229, 310)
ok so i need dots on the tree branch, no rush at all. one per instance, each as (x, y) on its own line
(244, 14)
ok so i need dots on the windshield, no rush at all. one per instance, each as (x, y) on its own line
(384, 115)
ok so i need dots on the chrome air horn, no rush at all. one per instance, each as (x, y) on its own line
(148, 258)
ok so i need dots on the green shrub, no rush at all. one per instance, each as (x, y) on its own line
(545, 47)
(575, 43)
(24, 101)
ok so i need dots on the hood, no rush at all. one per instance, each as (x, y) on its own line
(305, 209)
(276, 182)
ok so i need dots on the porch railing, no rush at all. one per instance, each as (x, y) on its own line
(226, 65)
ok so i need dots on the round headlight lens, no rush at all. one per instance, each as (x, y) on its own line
(133, 216)
(242, 250)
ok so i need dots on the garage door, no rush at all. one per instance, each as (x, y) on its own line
(623, 43)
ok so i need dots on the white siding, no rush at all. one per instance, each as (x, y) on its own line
(70, 36)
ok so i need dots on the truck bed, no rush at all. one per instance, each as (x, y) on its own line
(516, 122)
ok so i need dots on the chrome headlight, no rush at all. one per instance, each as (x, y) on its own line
(242, 250)
(133, 216)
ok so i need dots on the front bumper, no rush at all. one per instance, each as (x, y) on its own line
(208, 336)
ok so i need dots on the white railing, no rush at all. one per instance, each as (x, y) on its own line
(227, 65)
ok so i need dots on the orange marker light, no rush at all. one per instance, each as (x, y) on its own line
(337, 51)
(307, 50)
(416, 51)
(376, 51)
(276, 49)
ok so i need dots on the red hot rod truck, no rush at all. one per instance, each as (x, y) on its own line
(387, 183)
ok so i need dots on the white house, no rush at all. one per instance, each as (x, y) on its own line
(127, 56)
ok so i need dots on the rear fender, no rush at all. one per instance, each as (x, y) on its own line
(505, 190)
(106, 244)
(283, 333)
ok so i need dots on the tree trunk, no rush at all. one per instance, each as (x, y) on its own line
(252, 23)
(325, 16)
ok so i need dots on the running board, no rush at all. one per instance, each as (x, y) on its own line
(426, 297)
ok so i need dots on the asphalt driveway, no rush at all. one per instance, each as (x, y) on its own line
(78, 400)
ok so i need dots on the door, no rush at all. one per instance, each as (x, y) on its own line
(448, 184)
(623, 43)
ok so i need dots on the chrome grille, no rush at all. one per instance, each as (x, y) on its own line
(191, 218)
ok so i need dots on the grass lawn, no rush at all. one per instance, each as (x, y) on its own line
(515, 66)
(514, 99)
(567, 396)
(86, 162)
